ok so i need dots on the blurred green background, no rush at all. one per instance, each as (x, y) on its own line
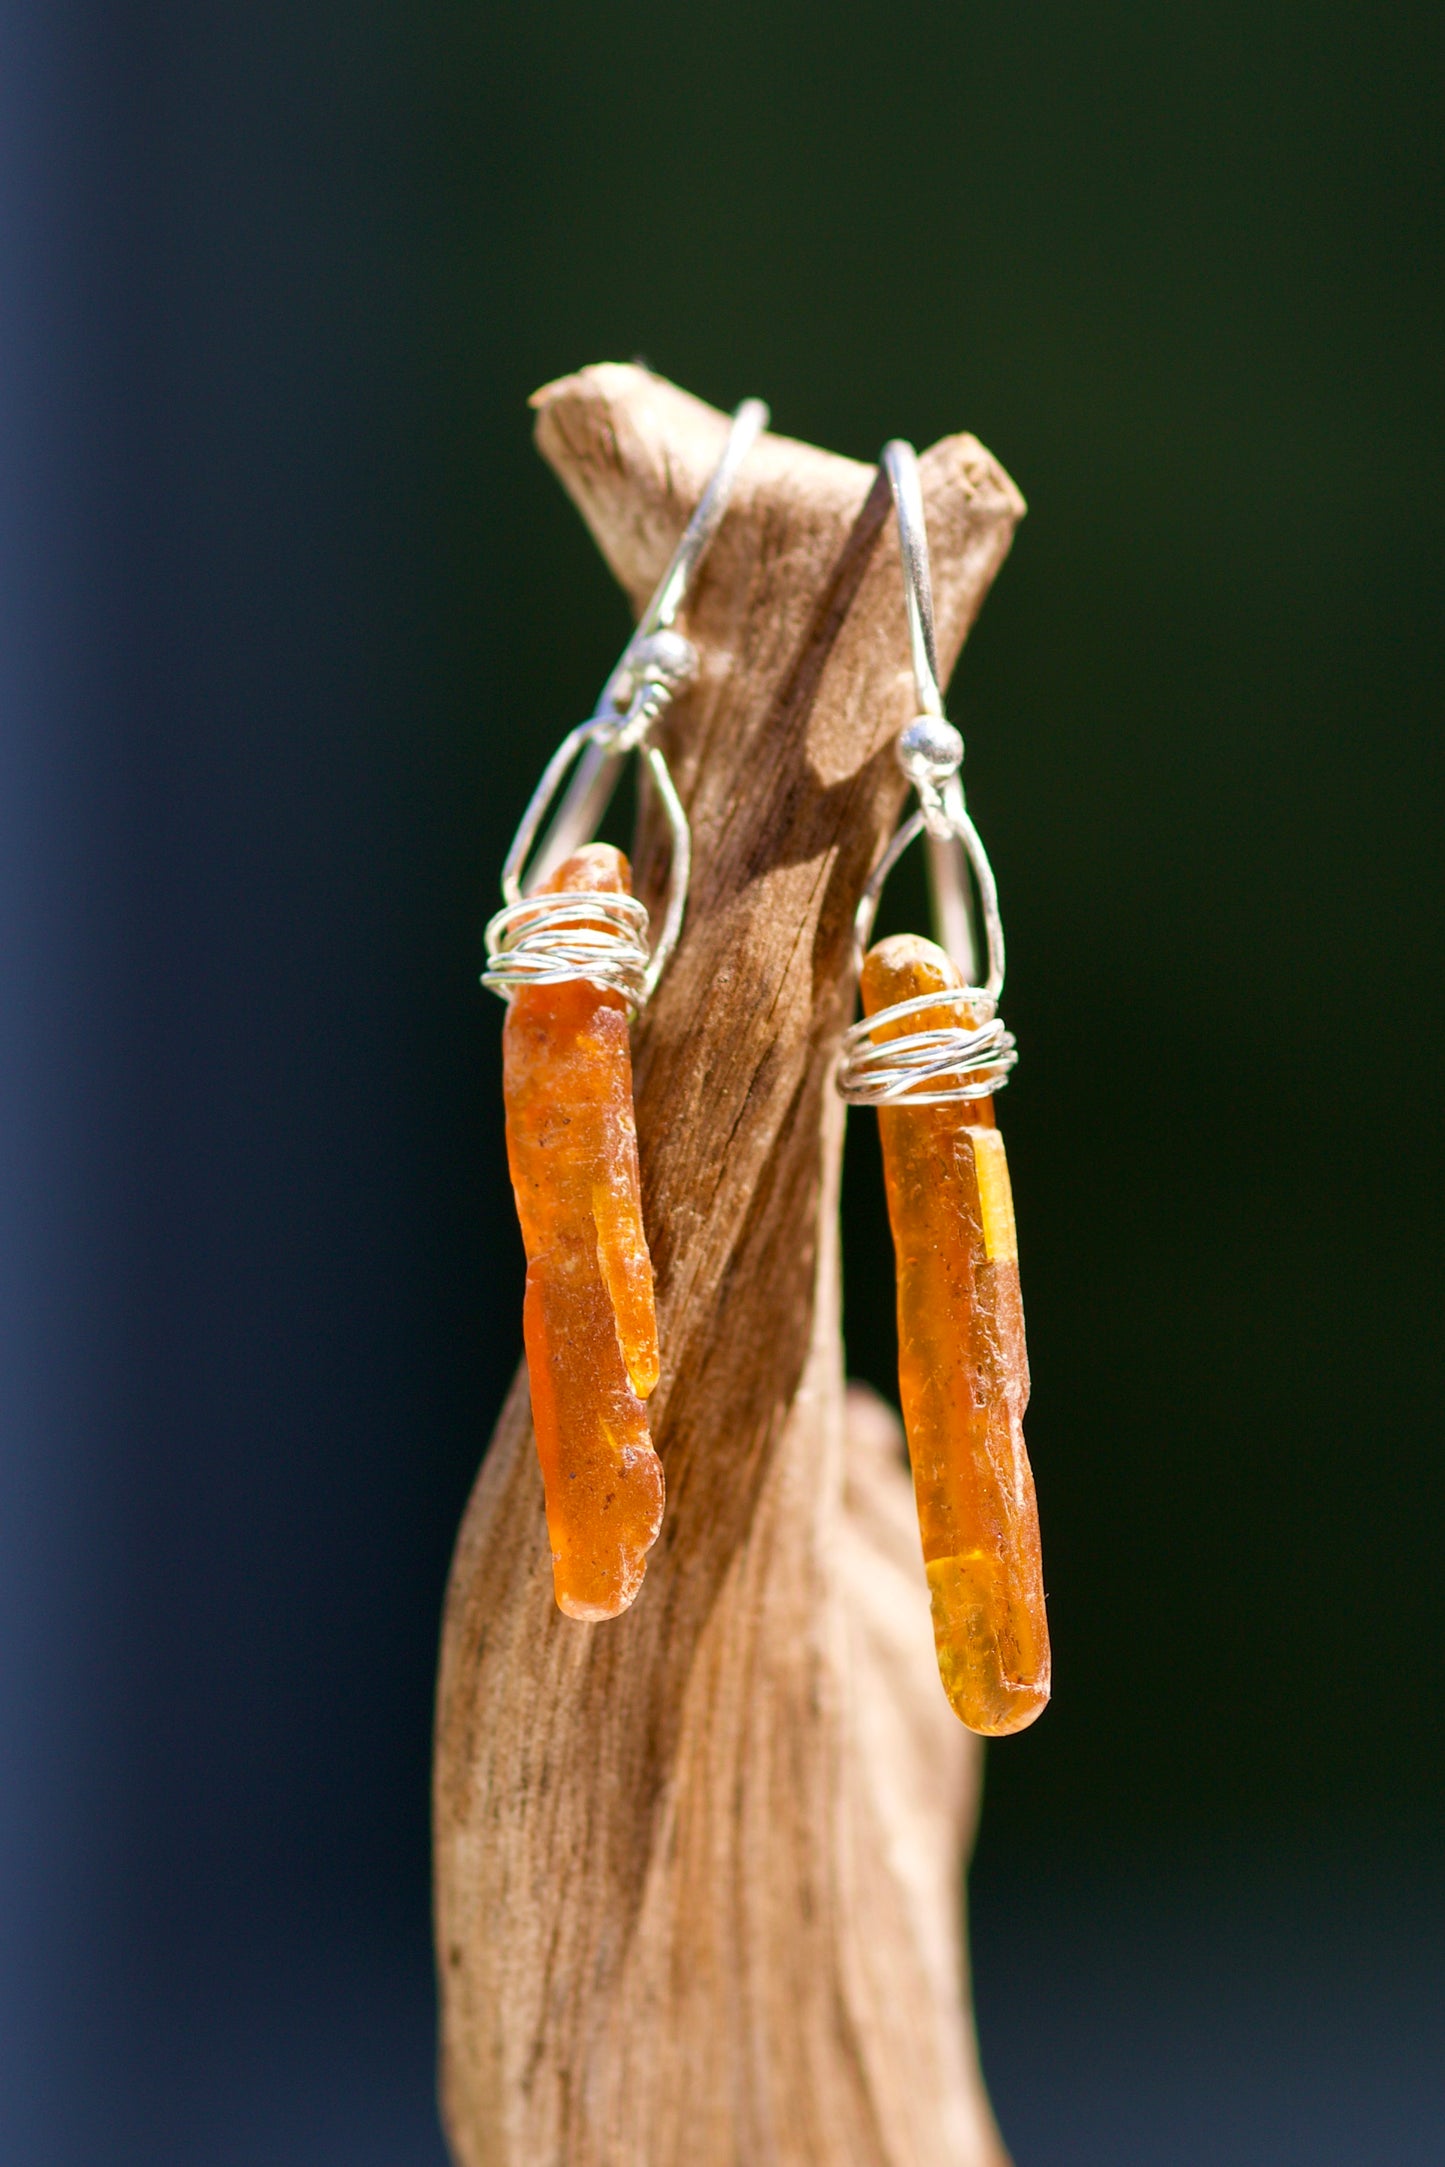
(1179, 269)
(292, 615)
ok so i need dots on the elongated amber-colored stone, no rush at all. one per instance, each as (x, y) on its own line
(588, 1318)
(963, 1373)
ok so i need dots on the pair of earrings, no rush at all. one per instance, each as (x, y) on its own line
(570, 954)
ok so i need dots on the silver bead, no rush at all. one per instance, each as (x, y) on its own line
(663, 658)
(930, 750)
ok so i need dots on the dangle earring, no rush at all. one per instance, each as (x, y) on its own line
(569, 953)
(930, 1053)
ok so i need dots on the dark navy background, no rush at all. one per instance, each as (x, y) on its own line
(290, 614)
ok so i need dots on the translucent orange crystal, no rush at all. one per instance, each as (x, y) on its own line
(963, 1371)
(588, 1319)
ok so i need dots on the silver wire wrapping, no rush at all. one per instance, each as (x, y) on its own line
(546, 940)
(539, 940)
(959, 1061)
(977, 1057)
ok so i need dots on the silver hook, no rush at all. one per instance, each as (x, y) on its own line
(652, 668)
(544, 940)
(900, 463)
(930, 753)
(973, 1056)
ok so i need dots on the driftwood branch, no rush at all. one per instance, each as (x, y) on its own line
(699, 1870)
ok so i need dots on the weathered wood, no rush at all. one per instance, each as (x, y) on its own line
(698, 1869)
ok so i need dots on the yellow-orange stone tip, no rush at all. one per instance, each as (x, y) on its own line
(599, 867)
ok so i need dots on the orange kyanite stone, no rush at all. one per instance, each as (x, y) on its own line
(588, 1319)
(963, 1373)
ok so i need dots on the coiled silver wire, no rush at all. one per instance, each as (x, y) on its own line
(539, 940)
(917, 1067)
(927, 1068)
(544, 940)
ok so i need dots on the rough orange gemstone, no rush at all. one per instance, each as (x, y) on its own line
(588, 1319)
(963, 1371)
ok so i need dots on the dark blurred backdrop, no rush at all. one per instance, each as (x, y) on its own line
(290, 613)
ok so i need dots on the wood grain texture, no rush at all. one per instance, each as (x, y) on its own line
(698, 1870)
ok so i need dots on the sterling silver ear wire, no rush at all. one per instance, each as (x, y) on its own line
(961, 1061)
(546, 939)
